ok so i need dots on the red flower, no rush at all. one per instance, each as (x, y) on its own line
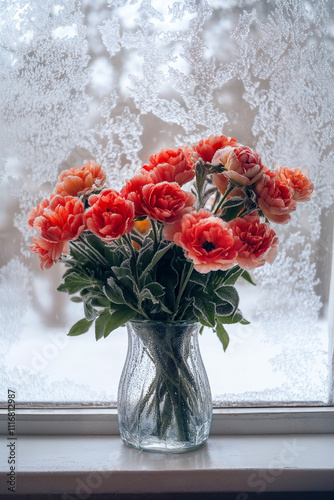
(207, 240)
(49, 251)
(255, 242)
(166, 201)
(132, 191)
(244, 167)
(274, 199)
(62, 220)
(111, 215)
(206, 148)
(171, 166)
(297, 180)
(76, 181)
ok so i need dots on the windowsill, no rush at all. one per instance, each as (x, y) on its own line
(249, 449)
(102, 464)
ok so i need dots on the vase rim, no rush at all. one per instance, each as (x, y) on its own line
(152, 321)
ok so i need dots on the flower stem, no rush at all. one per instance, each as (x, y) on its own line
(227, 192)
(155, 234)
(183, 285)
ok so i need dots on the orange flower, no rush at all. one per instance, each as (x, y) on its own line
(207, 240)
(63, 220)
(111, 215)
(206, 148)
(255, 242)
(37, 211)
(143, 226)
(171, 166)
(274, 199)
(76, 181)
(298, 181)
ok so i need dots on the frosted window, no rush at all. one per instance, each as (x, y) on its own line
(115, 82)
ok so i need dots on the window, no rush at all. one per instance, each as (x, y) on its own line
(116, 82)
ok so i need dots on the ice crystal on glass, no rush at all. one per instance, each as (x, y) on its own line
(116, 81)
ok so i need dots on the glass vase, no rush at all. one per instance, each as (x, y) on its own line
(164, 397)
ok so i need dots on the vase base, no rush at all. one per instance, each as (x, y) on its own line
(172, 447)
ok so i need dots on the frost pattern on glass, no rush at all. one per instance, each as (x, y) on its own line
(115, 82)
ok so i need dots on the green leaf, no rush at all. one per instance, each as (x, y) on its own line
(118, 318)
(225, 309)
(99, 301)
(157, 256)
(76, 299)
(145, 255)
(165, 308)
(74, 282)
(231, 208)
(146, 294)
(228, 294)
(230, 320)
(156, 289)
(199, 279)
(235, 201)
(101, 322)
(246, 276)
(80, 327)
(207, 309)
(232, 275)
(77, 256)
(114, 292)
(222, 335)
(90, 313)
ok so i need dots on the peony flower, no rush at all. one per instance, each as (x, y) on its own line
(63, 220)
(132, 191)
(49, 251)
(298, 181)
(171, 166)
(166, 201)
(274, 199)
(206, 148)
(207, 240)
(39, 210)
(110, 215)
(244, 167)
(76, 181)
(255, 242)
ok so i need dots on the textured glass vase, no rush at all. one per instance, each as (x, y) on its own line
(164, 397)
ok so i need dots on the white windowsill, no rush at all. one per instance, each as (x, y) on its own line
(78, 451)
(81, 465)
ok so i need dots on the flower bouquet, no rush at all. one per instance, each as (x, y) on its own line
(157, 254)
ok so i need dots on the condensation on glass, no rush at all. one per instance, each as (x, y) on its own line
(115, 82)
